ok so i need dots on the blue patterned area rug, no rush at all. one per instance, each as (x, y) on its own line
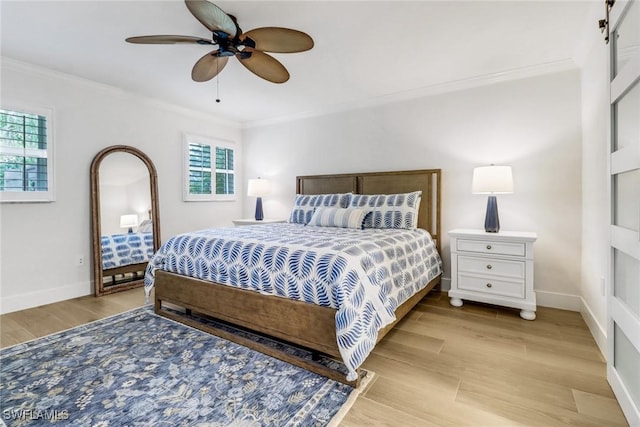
(140, 369)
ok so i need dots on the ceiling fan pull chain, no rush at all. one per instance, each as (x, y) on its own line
(217, 83)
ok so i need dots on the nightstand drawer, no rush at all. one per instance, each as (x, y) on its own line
(491, 267)
(486, 247)
(491, 285)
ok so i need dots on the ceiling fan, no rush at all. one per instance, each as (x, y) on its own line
(249, 47)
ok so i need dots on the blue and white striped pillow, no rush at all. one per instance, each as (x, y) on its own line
(339, 217)
(389, 210)
(305, 205)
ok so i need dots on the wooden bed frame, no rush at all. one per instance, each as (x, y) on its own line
(124, 269)
(300, 323)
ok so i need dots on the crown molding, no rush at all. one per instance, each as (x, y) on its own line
(431, 90)
(37, 70)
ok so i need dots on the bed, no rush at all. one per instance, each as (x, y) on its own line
(125, 255)
(319, 328)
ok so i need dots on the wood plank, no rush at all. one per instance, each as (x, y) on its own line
(603, 408)
(545, 336)
(416, 341)
(519, 409)
(411, 400)
(367, 412)
(423, 377)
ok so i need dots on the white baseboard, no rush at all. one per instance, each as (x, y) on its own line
(543, 298)
(46, 296)
(597, 331)
(558, 300)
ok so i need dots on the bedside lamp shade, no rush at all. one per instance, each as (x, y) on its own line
(258, 188)
(129, 221)
(492, 180)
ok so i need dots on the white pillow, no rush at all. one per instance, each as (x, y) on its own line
(305, 205)
(338, 217)
(389, 210)
(145, 226)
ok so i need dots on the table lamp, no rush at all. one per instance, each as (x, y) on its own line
(492, 180)
(129, 221)
(258, 188)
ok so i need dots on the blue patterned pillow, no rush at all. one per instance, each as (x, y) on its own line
(305, 204)
(339, 217)
(389, 210)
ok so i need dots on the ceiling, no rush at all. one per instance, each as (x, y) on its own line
(364, 50)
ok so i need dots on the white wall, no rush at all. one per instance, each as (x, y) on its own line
(593, 59)
(117, 200)
(531, 124)
(40, 242)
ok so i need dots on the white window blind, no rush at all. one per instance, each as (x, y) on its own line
(209, 169)
(26, 161)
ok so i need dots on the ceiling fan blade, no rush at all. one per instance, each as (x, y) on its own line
(208, 66)
(279, 40)
(263, 65)
(212, 17)
(167, 40)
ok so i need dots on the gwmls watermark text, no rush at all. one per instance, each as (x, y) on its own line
(35, 414)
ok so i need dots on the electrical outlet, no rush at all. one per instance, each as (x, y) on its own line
(80, 260)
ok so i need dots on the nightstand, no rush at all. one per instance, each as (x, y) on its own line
(494, 268)
(252, 221)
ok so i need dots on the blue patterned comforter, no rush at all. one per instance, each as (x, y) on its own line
(364, 274)
(125, 249)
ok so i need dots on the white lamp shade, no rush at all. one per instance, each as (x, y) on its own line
(128, 221)
(492, 180)
(258, 187)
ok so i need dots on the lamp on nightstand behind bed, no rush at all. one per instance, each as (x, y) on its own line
(492, 180)
(129, 221)
(258, 188)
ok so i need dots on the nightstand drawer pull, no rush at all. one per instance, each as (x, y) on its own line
(489, 247)
(489, 267)
(489, 285)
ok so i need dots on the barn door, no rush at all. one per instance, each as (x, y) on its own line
(623, 301)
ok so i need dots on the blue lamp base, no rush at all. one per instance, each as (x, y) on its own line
(491, 220)
(259, 214)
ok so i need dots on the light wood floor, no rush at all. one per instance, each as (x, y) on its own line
(477, 365)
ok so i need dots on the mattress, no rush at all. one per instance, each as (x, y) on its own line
(363, 274)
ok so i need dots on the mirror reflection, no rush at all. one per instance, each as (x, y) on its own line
(125, 218)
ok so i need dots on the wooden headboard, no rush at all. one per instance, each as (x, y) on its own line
(427, 180)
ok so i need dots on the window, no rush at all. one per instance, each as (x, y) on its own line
(209, 169)
(26, 156)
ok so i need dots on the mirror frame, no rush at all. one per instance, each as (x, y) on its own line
(99, 288)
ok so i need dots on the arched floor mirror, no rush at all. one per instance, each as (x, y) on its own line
(125, 217)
